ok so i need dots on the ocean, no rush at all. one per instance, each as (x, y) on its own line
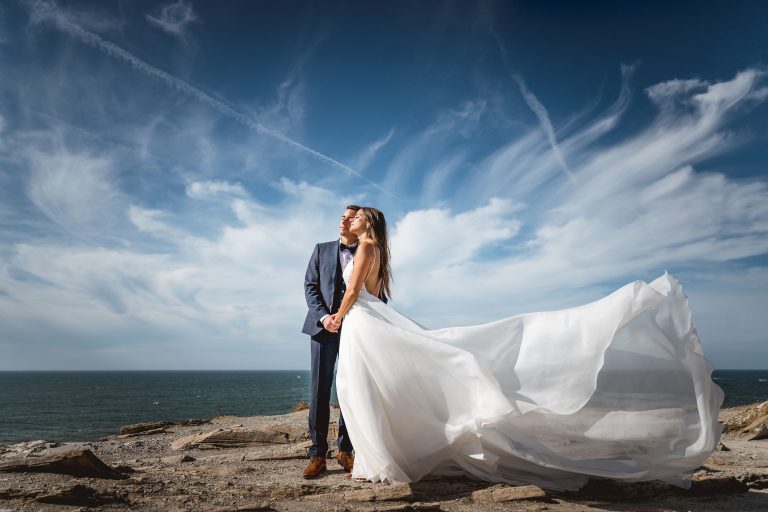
(84, 406)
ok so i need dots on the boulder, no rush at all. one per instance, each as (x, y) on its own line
(742, 420)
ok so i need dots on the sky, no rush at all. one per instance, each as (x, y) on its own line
(166, 167)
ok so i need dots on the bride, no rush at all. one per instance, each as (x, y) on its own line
(618, 388)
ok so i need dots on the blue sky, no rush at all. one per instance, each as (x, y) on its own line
(167, 167)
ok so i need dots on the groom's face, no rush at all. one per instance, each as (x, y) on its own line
(346, 220)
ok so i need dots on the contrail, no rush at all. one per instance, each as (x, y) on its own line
(541, 112)
(49, 11)
(535, 105)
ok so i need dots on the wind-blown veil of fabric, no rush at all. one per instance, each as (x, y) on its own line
(617, 388)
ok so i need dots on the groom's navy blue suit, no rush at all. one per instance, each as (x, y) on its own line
(324, 289)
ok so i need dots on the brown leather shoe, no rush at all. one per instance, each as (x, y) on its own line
(346, 460)
(315, 467)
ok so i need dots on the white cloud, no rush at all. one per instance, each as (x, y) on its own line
(205, 189)
(174, 18)
(426, 240)
(666, 91)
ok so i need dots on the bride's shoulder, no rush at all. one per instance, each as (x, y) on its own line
(366, 250)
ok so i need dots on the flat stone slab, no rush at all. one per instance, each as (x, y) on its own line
(79, 495)
(507, 493)
(144, 427)
(396, 492)
(66, 461)
(237, 437)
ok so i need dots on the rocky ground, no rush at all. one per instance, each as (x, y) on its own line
(238, 464)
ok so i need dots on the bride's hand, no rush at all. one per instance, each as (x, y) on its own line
(335, 322)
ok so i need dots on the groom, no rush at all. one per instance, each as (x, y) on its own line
(324, 289)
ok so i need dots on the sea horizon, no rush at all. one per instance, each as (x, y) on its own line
(266, 370)
(85, 405)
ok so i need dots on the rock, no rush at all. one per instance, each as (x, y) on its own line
(144, 427)
(237, 437)
(297, 451)
(402, 507)
(75, 462)
(744, 419)
(193, 422)
(754, 480)
(254, 507)
(717, 485)
(507, 493)
(251, 507)
(759, 431)
(26, 448)
(395, 492)
(79, 495)
(177, 459)
(722, 448)
(427, 506)
(13, 494)
(301, 406)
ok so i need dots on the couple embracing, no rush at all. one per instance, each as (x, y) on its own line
(617, 388)
(328, 300)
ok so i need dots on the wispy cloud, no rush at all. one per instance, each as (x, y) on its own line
(4, 37)
(669, 90)
(174, 18)
(204, 189)
(92, 19)
(369, 153)
(75, 190)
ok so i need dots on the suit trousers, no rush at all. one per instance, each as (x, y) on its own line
(325, 350)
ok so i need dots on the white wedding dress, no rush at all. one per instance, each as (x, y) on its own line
(618, 388)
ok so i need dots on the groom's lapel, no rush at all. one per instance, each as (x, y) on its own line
(329, 260)
(337, 277)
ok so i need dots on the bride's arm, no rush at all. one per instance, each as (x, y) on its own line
(364, 258)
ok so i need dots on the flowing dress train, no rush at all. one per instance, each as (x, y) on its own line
(617, 388)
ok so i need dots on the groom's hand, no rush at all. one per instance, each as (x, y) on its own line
(329, 324)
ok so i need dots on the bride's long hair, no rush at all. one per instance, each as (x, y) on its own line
(378, 234)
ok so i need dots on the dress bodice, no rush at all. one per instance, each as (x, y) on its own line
(347, 276)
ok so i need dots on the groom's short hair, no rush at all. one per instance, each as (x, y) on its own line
(353, 207)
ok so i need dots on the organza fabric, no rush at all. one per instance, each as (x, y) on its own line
(617, 388)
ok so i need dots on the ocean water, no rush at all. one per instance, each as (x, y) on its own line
(84, 406)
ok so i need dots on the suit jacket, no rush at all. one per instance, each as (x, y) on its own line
(323, 286)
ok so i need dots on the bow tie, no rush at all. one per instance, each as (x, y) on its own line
(351, 248)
